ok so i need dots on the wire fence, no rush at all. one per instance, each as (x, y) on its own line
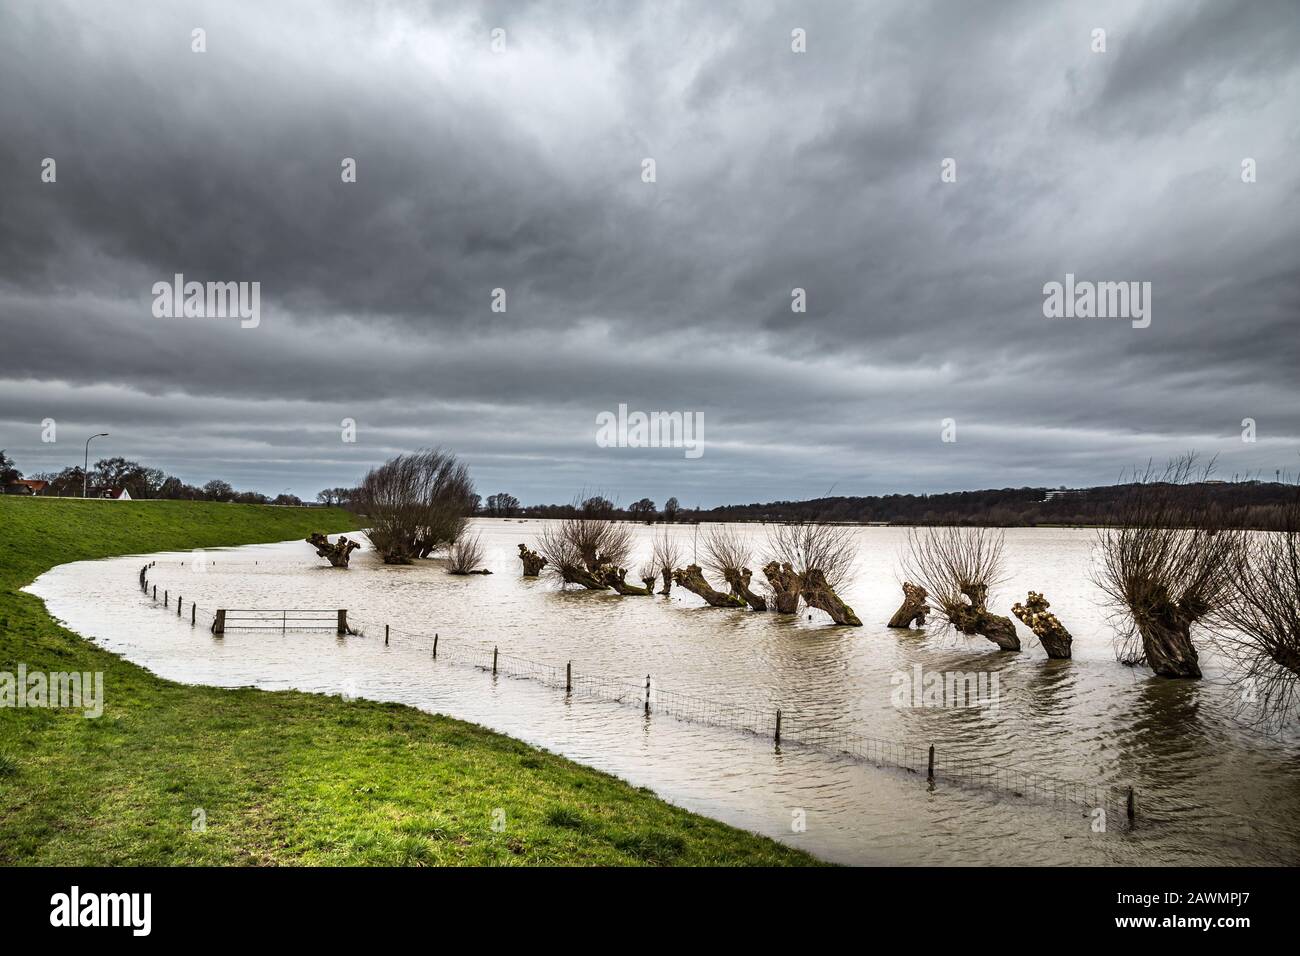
(784, 726)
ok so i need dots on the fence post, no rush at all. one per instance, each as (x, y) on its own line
(778, 727)
(930, 772)
(219, 624)
(494, 662)
(647, 695)
(180, 599)
(385, 635)
(435, 645)
(194, 610)
(343, 622)
(1132, 810)
(155, 592)
(167, 601)
(568, 677)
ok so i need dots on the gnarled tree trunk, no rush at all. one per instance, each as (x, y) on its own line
(818, 593)
(580, 575)
(975, 618)
(649, 584)
(738, 581)
(533, 562)
(1051, 632)
(668, 581)
(692, 578)
(1167, 641)
(337, 554)
(914, 607)
(615, 578)
(785, 586)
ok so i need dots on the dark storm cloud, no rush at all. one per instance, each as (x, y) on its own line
(775, 170)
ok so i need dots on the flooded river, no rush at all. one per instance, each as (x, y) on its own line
(1209, 789)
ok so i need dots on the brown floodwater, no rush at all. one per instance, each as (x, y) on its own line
(1210, 788)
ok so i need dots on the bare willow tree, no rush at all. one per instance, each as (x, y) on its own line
(579, 550)
(1259, 629)
(957, 567)
(811, 561)
(465, 555)
(1166, 563)
(415, 503)
(666, 556)
(728, 555)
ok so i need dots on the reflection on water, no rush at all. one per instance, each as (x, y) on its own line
(1209, 790)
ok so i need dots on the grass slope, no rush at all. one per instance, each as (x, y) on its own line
(283, 778)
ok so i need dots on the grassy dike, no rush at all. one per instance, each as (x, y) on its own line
(283, 777)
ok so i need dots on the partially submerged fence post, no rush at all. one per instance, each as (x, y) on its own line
(778, 727)
(194, 610)
(385, 635)
(167, 601)
(930, 772)
(1132, 810)
(219, 623)
(180, 599)
(155, 592)
(435, 645)
(568, 677)
(494, 662)
(647, 695)
(343, 622)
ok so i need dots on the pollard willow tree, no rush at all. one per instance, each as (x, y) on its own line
(588, 549)
(958, 567)
(1259, 628)
(727, 554)
(811, 562)
(415, 503)
(1166, 563)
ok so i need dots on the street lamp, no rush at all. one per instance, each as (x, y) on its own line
(85, 467)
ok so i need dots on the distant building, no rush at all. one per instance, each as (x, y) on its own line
(26, 486)
(1060, 493)
(113, 494)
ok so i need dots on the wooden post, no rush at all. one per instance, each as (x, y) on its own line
(155, 592)
(647, 695)
(435, 645)
(494, 662)
(568, 677)
(343, 622)
(180, 599)
(219, 625)
(930, 772)
(167, 601)
(194, 611)
(1132, 810)
(385, 635)
(778, 726)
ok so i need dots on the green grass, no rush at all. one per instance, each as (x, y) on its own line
(283, 777)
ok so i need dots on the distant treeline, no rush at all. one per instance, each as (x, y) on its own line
(1249, 504)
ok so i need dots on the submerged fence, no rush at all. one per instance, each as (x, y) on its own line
(782, 725)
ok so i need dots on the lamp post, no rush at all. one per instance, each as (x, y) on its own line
(85, 467)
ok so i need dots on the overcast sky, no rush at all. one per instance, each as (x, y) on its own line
(522, 169)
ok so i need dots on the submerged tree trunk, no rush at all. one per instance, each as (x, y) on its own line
(580, 575)
(914, 607)
(692, 578)
(649, 584)
(818, 593)
(533, 562)
(668, 581)
(1167, 641)
(616, 579)
(785, 586)
(975, 618)
(1051, 632)
(738, 580)
(337, 554)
